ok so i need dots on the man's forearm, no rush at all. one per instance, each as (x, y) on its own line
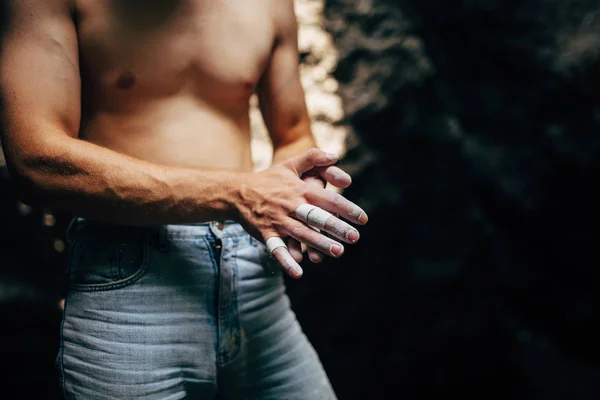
(83, 179)
(293, 148)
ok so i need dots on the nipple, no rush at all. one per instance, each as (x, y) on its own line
(126, 80)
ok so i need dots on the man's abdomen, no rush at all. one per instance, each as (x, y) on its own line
(176, 132)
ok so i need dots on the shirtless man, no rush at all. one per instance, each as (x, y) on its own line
(134, 116)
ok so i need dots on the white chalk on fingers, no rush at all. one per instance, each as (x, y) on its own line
(273, 243)
(288, 263)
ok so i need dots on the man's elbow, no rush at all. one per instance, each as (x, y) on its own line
(24, 181)
(31, 175)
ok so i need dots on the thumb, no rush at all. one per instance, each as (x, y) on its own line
(310, 159)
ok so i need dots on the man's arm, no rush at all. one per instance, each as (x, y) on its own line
(40, 93)
(283, 106)
(280, 93)
(282, 100)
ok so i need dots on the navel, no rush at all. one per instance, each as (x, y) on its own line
(126, 80)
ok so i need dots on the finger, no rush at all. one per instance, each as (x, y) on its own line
(333, 175)
(314, 180)
(341, 230)
(336, 176)
(337, 204)
(317, 217)
(310, 159)
(314, 239)
(314, 255)
(287, 262)
(295, 249)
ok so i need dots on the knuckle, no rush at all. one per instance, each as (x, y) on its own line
(289, 207)
(339, 226)
(300, 188)
(303, 191)
(297, 230)
(326, 243)
(282, 172)
(281, 202)
(344, 225)
(313, 153)
(339, 200)
(356, 211)
(284, 203)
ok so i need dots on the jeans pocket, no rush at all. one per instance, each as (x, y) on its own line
(105, 264)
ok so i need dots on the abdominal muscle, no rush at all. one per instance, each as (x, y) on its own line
(180, 131)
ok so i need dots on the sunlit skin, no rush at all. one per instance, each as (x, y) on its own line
(140, 116)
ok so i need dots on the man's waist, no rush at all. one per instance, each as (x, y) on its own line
(81, 228)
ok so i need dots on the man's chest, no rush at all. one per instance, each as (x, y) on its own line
(162, 45)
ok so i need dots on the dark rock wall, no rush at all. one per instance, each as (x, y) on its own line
(475, 149)
(31, 286)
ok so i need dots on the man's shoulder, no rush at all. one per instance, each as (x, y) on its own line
(284, 17)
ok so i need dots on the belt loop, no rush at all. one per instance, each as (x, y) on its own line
(216, 231)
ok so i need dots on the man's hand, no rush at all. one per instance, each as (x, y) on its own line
(268, 201)
(318, 176)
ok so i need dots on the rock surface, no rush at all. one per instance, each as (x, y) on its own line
(474, 146)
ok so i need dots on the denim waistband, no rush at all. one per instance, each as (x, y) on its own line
(219, 229)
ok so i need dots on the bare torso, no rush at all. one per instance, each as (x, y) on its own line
(170, 81)
(159, 92)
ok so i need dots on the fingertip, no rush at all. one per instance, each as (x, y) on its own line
(341, 182)
(363, 218)
(336, 250)
(352, 236)
(316, 258)
(345, 183)
(296, 273)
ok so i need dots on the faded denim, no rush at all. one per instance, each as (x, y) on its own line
(180, 312)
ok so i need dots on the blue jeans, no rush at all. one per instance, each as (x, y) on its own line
(180, 311)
